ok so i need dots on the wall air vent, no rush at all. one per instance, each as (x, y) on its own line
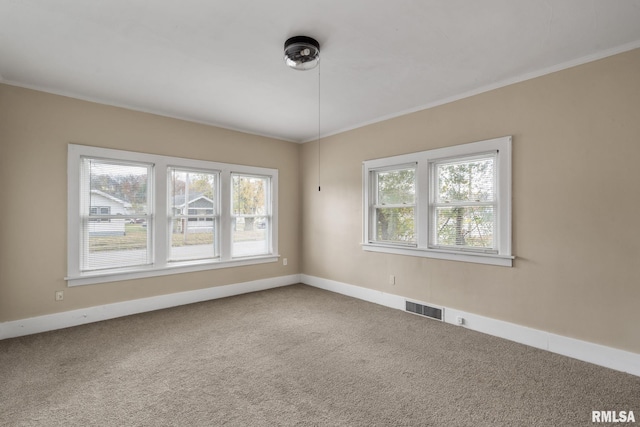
(424, 310)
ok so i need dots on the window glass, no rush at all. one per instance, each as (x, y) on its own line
(395, 206)
(464, 207)
(250, 215)
(113, 193)
(193, 201)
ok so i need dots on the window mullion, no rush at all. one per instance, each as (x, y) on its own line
(157, 219)
(372, 201)
(422, 201)
(226, 219)
(84, 209)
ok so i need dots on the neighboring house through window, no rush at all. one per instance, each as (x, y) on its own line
(195, 219)
(140, 215)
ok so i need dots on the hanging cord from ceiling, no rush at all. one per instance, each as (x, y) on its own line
(303, 53)
(319, 126)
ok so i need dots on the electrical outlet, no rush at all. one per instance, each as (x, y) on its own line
(59, 295)
(284, 261)
(392, 279)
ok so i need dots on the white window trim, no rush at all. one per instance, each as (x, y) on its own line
(161, 265)
(214, 216)
(269, 206)
(373, 194)
(423, 160)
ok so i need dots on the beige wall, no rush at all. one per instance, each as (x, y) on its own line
(35, 129)
(575, 186)
(576, 200)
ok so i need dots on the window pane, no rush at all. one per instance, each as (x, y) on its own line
(251, 223)
(396, 187)
(249, 195)
(114, 190)
(120, 189)
(192, 240)
(114, 243)
(250, 236)
(465, 226)
(193, 226)
(471, 180)
(395, 225)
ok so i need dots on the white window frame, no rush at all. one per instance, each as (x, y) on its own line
(268, 214)
(424, 161)
(85, 214)
(214, 217)
(375, 205)
(160, 204)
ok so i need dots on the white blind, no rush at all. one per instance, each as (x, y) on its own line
(394, 206)
(115, 214)
(465, 203)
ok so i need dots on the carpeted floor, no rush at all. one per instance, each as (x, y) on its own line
(295, 356)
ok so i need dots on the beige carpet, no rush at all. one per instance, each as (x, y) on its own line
(295, 356)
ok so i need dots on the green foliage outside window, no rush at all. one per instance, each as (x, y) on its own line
(395, 211)
(465, 213)
(249, 198)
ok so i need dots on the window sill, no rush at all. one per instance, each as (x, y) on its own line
(176, 268)
(478, 258)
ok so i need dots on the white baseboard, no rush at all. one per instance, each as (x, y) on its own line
(67, 319)
(608, 357)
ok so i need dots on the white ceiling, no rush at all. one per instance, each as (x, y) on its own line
(220, 62)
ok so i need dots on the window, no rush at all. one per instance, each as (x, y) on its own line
(193, 197)
(394, 205)
(450, 203)
(137, 215)
(106, 239)
(250, 215)
(464, 203)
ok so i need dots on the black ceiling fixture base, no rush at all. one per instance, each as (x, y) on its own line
(301, 52)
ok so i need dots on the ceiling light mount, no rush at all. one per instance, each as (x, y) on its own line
(301, 53)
